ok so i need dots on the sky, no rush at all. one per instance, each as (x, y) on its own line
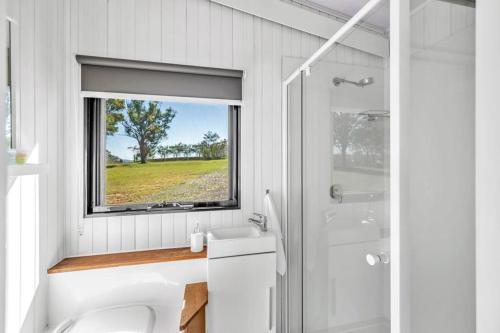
(188, 126)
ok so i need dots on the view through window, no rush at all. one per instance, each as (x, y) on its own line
(162, 152)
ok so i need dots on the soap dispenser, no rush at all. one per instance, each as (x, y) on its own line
(197, 239)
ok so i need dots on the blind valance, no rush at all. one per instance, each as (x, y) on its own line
(99, 74)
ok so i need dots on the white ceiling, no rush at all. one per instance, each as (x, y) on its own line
(379, 17)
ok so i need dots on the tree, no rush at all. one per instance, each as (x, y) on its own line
(197, 149)
(186, 150)
(343, 126)
(209, 145)
(211, 137)
(135, 153)
(114, 115)
(164, 151)
(148, 125)
(112, 159)
(191, 149)
(178, 149)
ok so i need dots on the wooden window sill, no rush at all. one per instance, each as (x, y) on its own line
(125, 259)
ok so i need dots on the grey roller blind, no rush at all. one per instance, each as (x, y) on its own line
(150, 78)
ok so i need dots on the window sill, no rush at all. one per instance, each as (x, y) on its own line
(27, 169)
(125, 259)
(161, 211)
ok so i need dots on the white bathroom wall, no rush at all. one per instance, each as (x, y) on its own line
(3, 168)
(195, 32)
(487, 166)
(33, 242)
(441, 170)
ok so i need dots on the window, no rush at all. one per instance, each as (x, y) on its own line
(147, 155)
(9, 119)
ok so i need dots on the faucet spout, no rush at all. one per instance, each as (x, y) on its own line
(260, 221)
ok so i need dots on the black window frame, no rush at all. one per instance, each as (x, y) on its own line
(94, 167)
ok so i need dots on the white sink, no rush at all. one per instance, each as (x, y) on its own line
(229, 242)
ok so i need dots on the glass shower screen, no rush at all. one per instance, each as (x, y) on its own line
(338, 195)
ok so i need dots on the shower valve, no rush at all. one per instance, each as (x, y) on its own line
(375, 259)
(337, 192)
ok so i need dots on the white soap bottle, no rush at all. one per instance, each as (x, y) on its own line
(197, 239)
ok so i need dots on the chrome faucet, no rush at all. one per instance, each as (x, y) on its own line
(260, 221)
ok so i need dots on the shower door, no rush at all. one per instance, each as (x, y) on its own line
(338, 216)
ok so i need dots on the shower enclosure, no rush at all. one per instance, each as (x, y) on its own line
(338, 192)
(378, 206)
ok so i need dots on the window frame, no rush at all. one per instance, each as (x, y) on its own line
(94, 160)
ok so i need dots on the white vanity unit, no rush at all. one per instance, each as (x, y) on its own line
(241, 280)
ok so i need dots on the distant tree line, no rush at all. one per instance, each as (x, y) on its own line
(148, 124)
(210, 148)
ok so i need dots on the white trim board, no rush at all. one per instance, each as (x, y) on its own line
(310, 22)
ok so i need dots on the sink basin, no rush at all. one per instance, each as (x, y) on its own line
(234, 233)
(237, 241)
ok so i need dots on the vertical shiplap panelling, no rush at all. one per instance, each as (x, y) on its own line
(75, 227)
(215, 34)
(54, 122)
(226, 37)
(121, 40)
(43, 82)
(29, 242)
(215, 219)
(13, 290)
(128, 233)
(197, 32)
(296, 49)
(168, 30)
(84, 245)
(114, 234)
(141, 232)
(192, 45)
(275, 162)
(180, 31)
(167, 230)
(237, 217)
(203, 33)
(257, 112)
(180, 229)
(148, 40)
(99, 235)
(227, 218)
(26, 81)
(93, 15)
(437, 24)
(267, 106)
(458, 18)
(417, 30)
(243, 57)
(154, 231)
(202, 219)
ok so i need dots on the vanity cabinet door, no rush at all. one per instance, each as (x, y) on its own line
(242, 293)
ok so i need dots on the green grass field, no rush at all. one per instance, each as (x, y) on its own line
(194, 180)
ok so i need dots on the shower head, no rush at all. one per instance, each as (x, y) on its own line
(365, 82)
(337, 81)
(361, 83)
(371, 115)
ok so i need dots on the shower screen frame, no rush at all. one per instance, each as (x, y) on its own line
(398, 87)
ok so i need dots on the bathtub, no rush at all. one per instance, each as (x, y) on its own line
(144, 298)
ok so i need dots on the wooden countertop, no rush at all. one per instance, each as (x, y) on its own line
(125, 259)
(195, 300)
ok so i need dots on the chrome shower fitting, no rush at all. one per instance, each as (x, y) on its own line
(361, 83)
